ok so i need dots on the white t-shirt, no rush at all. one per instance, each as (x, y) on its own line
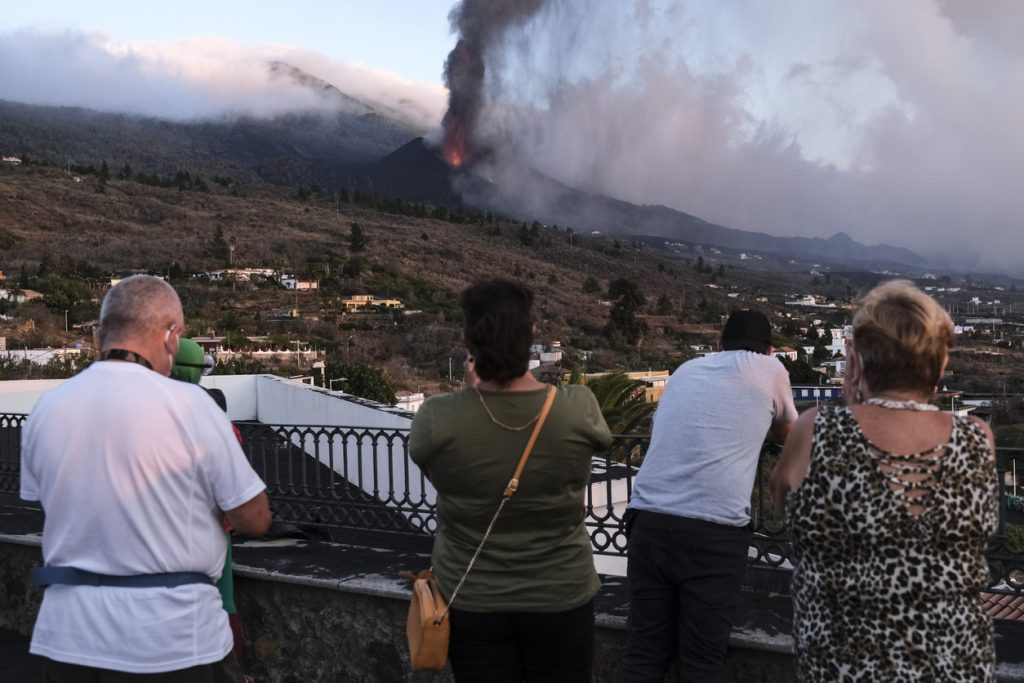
(133, 470)
(708, 430)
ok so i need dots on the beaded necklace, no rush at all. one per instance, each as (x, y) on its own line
(893, 404)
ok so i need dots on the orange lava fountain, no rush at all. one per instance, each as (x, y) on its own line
(453, 149)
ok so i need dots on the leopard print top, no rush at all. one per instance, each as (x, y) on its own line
(880, 594)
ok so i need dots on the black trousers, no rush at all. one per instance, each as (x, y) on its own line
(684, 585)
(522, 646)
(224, 671)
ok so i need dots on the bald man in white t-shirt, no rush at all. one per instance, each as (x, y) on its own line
(134, 473)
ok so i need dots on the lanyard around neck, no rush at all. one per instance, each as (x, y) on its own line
(122, 354)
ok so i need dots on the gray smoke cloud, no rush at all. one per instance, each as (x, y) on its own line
(893, 122)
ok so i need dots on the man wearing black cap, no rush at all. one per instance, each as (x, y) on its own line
(690, 506)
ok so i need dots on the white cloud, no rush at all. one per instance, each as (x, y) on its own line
(193, 78)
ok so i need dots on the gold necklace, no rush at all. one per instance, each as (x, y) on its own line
(499, 422)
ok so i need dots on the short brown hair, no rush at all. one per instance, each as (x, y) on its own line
(498, 328)
(902, 337)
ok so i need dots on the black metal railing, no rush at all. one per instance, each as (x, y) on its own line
(362, 478)
(10, 451)
(1006, 549)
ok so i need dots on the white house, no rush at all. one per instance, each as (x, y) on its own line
(785, 352)
(409, 400)
(240, 274)
(292, 282)
(839, 337)
(19, 296)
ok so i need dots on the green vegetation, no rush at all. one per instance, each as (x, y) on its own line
(362, 380)
(12, 367)
(357, 240)
(801, 372)
(624, 328)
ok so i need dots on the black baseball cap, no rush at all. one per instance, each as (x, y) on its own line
(747, 330)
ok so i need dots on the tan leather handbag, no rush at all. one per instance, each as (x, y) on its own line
(427, 627)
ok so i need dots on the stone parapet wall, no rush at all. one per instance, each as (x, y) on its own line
(19, 600)
(308, 621)
(298, 631)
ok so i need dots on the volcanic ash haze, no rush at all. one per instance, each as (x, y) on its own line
(890, 122)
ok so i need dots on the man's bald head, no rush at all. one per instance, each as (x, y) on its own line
(138, 307)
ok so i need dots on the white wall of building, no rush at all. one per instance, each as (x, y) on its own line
(20, 395)
(282, 401)
(240, 393)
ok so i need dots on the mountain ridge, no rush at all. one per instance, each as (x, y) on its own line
(372, 152)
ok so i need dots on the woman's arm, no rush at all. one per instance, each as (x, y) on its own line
(791, 470)
(421, 442)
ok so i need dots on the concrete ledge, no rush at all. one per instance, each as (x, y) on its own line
(331, 611)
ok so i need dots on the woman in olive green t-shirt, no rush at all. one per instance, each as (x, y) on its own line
(526, 608)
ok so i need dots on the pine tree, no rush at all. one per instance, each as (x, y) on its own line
(357, 239)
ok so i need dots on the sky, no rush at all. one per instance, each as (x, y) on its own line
(408, 37)
(896, 122)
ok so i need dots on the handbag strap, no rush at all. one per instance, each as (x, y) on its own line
(513, 483)
(510, 489)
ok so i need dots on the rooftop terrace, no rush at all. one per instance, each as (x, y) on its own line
(352, 510)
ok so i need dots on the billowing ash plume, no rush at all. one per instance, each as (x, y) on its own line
(478, 23)
(688, 105)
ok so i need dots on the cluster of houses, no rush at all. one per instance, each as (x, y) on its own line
(249, 274)
(356, 303)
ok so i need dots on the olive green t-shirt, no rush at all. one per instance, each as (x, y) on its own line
(538, 557)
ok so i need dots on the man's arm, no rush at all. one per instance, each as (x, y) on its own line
(785, 413)
(251, 518)
(779, 431)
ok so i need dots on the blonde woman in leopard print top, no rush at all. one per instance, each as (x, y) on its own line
(890, 503)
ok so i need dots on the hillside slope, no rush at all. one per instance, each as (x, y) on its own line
(75, 230)
(356, 147)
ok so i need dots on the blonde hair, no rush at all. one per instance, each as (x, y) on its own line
(902, 337)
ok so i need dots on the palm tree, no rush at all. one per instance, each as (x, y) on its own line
(622, 401)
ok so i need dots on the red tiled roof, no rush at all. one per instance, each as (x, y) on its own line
(1007, 606)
